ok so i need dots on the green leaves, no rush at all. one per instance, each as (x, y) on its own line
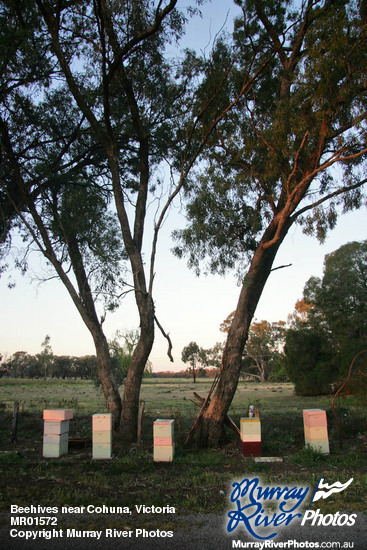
(302, 110)
(333, 329)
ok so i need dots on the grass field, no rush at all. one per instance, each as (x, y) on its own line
(197, 480)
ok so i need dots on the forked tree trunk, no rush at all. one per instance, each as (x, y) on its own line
(212, 423)
(130, 404)
(87, 309)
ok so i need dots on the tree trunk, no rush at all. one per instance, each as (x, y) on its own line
(130, 404)
(108, 383)
(212, 424)
(87, 310)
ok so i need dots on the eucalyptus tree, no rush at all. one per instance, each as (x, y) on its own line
(110, 55)
(55, 173)
(273, 158)
(97, 123)
(195, 356)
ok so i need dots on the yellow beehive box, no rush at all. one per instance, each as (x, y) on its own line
(163, 428)
(316, 432)
(250, 437)
(251, 426)
(163, 453)
(103, 436)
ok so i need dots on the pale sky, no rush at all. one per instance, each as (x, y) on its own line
(189, 308)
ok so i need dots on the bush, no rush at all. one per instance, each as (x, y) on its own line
(308, 362)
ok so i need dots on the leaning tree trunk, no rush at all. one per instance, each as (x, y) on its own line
(212, 422)
(130, 404)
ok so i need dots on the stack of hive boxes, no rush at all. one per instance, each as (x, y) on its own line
(102, 435)
(251, 436)
(56, 432)
(163, 440)
(315, 426)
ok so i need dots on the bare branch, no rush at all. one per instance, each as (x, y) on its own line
(328, 197)
(166, 335)
(281, 267)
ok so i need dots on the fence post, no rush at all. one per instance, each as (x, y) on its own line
(14, 423)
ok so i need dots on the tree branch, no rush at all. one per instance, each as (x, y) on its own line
(328, 197)
(146, 33)
(166, 335)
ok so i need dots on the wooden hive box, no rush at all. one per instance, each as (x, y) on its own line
(250, 429)
(163, 440)
(102, 436)
(315, 430)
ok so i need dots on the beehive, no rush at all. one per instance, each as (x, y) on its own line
(56, 432)
(102, 436)
(163, 440)
(315, 429)
(251, 436)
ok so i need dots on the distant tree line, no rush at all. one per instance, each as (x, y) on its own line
(47, 365)
(24, 365)
(186, 373)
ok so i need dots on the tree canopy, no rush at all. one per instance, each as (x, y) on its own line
(273, 156)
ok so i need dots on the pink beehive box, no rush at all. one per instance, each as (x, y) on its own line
(58, 414)
(165, 441)
(314, 417)
(102, 422)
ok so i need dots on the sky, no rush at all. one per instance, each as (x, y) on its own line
(189, 308)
